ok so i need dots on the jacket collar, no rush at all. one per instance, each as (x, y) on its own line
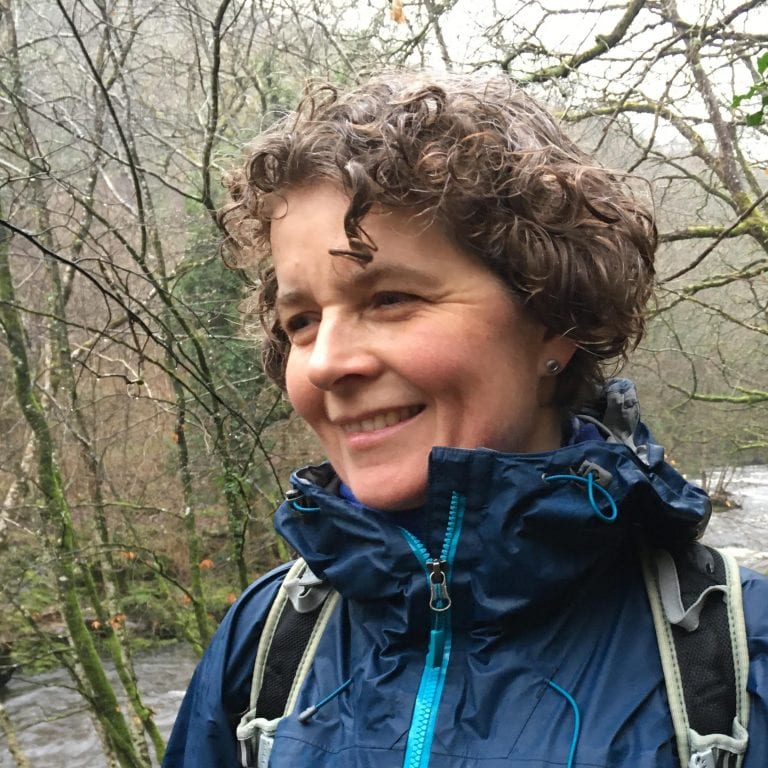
(530, 534)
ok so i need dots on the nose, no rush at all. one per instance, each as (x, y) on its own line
(342, 353)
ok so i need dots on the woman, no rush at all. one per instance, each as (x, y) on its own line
(445, 278)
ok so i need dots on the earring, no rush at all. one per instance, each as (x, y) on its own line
(553, 367)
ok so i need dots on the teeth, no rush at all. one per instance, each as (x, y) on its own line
(381, 420)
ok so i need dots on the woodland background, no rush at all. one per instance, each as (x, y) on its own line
(143, 451)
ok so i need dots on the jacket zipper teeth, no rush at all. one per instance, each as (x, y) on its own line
(438, 573)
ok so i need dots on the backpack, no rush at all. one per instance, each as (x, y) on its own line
(702, 643)
(703, 648)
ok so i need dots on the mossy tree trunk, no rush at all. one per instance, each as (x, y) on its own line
(58, 521)
(7, 729)
(61, 381)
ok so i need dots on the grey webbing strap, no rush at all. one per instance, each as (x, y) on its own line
(302, 592)
(715, 750)
(305, 590)
(671, 598)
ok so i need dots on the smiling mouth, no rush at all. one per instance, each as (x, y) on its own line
(382, 420)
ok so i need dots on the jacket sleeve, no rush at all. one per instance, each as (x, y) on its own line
(755, 591)
(203, 735)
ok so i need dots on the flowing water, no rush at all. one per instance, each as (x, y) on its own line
(743, 530)
(55, 732)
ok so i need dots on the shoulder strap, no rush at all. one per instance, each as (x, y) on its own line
(696, 602)
(296, 620)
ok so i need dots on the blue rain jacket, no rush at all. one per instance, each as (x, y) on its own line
(547, 652)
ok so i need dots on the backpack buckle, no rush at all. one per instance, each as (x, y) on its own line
(704, 759)
(256, 735)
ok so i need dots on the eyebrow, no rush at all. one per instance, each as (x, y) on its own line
(365, 277)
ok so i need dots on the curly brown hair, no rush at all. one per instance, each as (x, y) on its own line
(495, 171)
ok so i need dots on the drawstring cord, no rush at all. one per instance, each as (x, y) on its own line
(576, 720)
(589, 481)
(294, 496)
(309, 712)
(303, 510)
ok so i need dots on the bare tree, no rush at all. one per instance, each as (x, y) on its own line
(145, 451)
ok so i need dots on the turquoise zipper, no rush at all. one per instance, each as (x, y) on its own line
(438, 572)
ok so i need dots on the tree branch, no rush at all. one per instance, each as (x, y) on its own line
(603, 43)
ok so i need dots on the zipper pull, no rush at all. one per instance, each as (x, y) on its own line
(439, 599)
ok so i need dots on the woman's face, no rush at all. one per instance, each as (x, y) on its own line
(421, 347)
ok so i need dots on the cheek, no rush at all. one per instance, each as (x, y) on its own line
(438, 357)
(456, 370)
(298, 388)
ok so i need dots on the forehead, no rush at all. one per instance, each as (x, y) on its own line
(311, 227)
(298, 215)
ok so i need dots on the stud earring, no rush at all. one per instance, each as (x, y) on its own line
(553, 367)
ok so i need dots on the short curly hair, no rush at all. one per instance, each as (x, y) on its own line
(494, 170)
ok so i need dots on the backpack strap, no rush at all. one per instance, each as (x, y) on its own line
(696, 602)
(296, 620)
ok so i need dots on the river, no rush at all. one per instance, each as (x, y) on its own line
(55, 732)
(743, 530)
(52, 727)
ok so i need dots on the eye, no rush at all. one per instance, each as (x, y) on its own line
(299, 325)
(392, 298)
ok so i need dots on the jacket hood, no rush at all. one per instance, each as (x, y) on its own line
(536, 527)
